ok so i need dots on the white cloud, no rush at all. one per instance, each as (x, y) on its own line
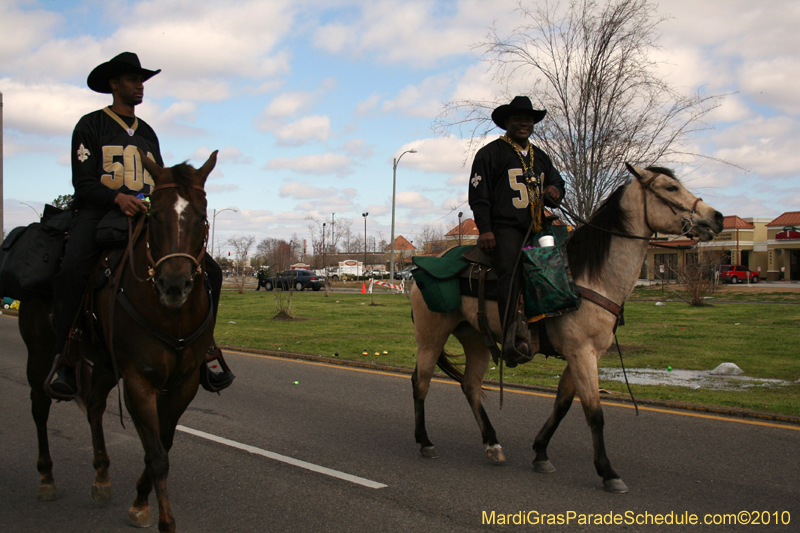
(421, 100)
(329, 163)
(413, 200)
(46, 108)
(358, 148)
(417, 32)
(303, 190)
(446, 155)
(305, 130)
(229, 154)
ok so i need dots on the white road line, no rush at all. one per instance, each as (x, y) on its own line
(284, 459)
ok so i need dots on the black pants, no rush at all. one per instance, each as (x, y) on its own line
(508, 243)
(80, 257)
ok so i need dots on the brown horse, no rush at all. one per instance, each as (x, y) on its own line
(158, 330)
(605, 256)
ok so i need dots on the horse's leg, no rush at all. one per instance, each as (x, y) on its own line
(420, 383)
(141, 400)
(564, 397)
(587, 385)
(431, 331)
(102, 384)
(39, 339)
(40, 407)
(477, 361)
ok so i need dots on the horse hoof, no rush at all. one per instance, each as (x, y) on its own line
(543, 467)
(429, 452)
(140, 517)
(101, 493)
(615, 486)
(47, 492)
(495, 453)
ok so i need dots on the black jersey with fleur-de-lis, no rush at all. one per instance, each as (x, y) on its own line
(498, 194)
(105, 158)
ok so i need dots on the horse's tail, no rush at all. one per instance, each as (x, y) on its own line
(448, 367)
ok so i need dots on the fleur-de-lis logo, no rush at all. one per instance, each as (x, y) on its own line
(83, 153)
(476, 179)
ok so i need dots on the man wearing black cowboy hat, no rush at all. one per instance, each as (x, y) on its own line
(504, 174)
(106, 177)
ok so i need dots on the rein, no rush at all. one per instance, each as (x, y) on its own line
(688, 224)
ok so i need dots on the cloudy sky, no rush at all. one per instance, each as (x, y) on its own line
(308, 101)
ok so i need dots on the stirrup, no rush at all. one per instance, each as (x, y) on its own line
(215, 381)
(55, 394)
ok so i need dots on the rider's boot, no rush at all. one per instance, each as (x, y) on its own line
(65, 384)
(516, 348)
(215, 381)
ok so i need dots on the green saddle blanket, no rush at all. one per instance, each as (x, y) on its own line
(437, 278)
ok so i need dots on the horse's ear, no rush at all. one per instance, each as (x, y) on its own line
(151, 166)
(640, 173)
(209, 165)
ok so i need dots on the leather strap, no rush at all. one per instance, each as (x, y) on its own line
(603, 302)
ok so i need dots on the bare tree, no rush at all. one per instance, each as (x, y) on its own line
(698, 274)
(590, 65)
(241, 247)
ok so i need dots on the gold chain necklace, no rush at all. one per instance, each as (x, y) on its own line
(527, 170)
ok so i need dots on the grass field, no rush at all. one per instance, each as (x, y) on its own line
(761, 338)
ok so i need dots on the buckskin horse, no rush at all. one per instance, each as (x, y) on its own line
(157, 331)
(605, 255)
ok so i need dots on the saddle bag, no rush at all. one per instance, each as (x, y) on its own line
(548, 288)
(112, 230)
(30, 256)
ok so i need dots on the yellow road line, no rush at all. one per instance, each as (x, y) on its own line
(529, 393)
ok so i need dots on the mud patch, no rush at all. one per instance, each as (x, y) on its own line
(691, 379)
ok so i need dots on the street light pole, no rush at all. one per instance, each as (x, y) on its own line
(394, 193)
(459, 227)
(365, 215)
(214, 224)
(323, 251)
(34, 210)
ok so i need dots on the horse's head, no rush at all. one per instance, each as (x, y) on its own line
(178, 227)
(675, 210)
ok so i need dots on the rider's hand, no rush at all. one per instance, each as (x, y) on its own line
(552, 192)
(486, 240)
(130, 205)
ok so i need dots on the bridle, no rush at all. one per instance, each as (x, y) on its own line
(687, 226)
(151, 268)
(687, 223)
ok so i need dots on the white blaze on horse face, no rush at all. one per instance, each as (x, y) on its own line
(180, 206)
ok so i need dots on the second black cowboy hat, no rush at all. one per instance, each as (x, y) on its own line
(122, 64)
(520, 105)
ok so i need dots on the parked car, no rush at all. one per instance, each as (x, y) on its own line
(379, 273)
(296, 279)
(404, 274)
(737, 274)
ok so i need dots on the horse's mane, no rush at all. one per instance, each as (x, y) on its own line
(587, 248)
(182, 176)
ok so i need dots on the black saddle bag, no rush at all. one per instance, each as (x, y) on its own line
(112, 230)
(30, 256)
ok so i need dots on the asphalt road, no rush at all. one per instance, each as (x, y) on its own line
(360, 423)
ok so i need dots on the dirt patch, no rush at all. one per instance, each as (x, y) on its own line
(283, 315)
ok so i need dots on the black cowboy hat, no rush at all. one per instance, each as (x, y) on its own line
(520, 105)
(124, 63)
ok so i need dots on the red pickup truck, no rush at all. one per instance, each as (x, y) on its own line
(737, 274)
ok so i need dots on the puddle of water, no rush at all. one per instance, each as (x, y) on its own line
(693, 379)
